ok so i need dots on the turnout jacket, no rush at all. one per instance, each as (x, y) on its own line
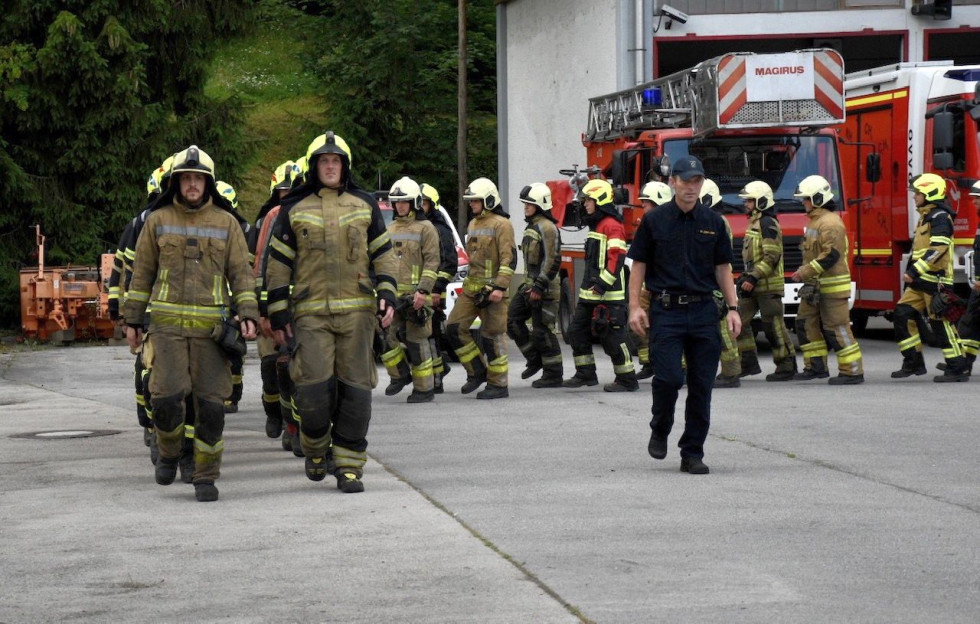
(605, 254)
(762, 253)
(448, 258)
(415, 245)
(541, 246)
(191, 266)
(326, 243)
(493, 253)
(931, 262)
(825, 254)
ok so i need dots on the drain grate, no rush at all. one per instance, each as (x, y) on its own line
(66, 434)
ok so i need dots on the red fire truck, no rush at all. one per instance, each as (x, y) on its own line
(903, 120)
(746, 116)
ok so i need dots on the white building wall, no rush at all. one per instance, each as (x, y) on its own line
(558, 54)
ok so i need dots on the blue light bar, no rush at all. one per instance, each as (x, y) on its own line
(966, 75)
(652, 97)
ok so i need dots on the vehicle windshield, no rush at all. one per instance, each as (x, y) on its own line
(781, 161)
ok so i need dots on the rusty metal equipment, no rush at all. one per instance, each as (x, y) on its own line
(64, 304)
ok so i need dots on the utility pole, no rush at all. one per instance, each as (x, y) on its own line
(461, 175)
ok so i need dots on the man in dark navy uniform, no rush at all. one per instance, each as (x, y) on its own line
(682, 254)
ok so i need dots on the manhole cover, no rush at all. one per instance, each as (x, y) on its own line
(66, 434)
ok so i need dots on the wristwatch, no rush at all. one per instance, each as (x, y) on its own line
(733, 308)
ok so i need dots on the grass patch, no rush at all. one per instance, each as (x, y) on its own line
(267, 70)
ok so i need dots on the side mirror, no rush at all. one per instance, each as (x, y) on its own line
(621, 195)
(942, 131)
(620, 167)
(872, 167)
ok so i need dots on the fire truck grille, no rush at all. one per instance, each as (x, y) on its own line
(787, 111)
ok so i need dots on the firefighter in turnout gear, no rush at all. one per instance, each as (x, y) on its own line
(189, 255)
(493, 258)
(328, 238)
(652, 194)
(227, 194)
(448, 265)
(538, 296)
(731, 364)
(823, 321)
(415, 243)
(601, 309)
(282, 181)
(761, 285)
(122, 270)
(969, 324)
(930, 268)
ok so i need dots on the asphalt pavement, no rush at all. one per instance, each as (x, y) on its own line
(824, 504)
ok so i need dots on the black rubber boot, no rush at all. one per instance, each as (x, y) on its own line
(817, 370)
(727, 381)
(273, 420)
(396, 385)
(166, 470)
(421, 397)
(645, 372)
(912, 364)
(623, 383)
(750, 364)
(205, 492)
(550, 379)
(349, 482)
(316, 468)
(580, 379)
(493, 392)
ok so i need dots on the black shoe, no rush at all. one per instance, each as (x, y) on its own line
(396, 386)
(472, 383)
(186, 464)
(547, 382)
(349, 483)
(273, 426)
(421, 397)
(166, 470)
(437, 387)
(493, 392)
(943, 366)
(657, 446)
(148, 434)
(622, 385)
(751, 370)
(846, 380)
(727, 381)
(645, 372)
(808, 373)
(205, 492)
(693, 465)
(578, 381)
(952, 376)
(781, 375)
(231, 407)
(530, 371)
(316, 468)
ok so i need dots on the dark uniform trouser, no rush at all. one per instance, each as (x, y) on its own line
(969, 327)
(689, 331)
(182, 367)
(828, 326)
(770, 307)
(416, 350)
(907, 313)
(333, 371)
(613, 340)
(270, 379)
(539, 345)
(493, 356)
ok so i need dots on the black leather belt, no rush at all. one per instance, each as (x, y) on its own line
(667, 299)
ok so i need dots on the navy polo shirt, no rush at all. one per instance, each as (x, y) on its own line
(681, 250)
